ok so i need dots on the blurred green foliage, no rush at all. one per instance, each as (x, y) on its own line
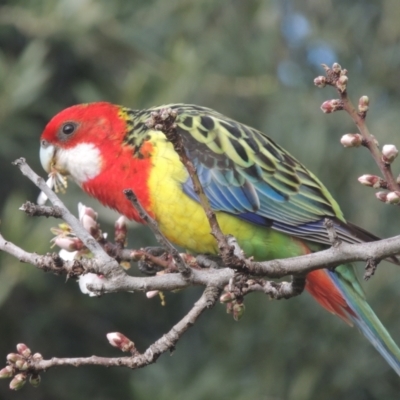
(254, 61)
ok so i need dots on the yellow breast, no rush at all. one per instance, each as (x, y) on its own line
(181, 219)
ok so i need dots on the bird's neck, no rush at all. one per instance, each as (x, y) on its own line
(123, 169)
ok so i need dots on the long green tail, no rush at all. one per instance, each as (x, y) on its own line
(361, 314)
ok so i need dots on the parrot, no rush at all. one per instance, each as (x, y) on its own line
(272, 204)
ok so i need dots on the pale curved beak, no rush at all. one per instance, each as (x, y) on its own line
(47, 153)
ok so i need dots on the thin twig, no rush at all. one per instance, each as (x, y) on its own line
(279, 290)
(333, 75)
(332, 234)
(107, 265)
(167, 342)
(34, 210)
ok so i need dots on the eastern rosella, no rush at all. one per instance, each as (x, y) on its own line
(262, 195)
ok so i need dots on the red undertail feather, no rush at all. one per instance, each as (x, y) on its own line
(323, 289)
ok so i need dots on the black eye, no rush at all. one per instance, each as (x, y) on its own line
(68, 128)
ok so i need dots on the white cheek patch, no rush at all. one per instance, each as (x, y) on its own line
(82, 162)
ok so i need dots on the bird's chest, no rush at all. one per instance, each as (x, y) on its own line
(179, 217)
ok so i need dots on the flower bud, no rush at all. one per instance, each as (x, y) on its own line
(371, 181)
(83, 210)
(389, 153)
(22, 365)
(121, 229)
(351, 140)
(13, 357)
(68, 243)
(120, 341)
(90, 279)
(238, 311)
(6, 372)
(34, 380)
(336, 68)
(320, 81)
(227, 297)
(331, 106)
(37, 357)
(393, 198)
(23, 349)
(381, 196)
(341, 83)
(363, 104)
(90, 224)
(18, 381)
(152, 293)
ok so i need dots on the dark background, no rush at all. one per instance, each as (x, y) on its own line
(254, 61)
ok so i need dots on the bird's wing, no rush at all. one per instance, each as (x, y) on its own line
(243, 172)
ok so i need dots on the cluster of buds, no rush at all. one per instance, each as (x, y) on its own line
(19, 365)
(336, 76)
(120, 341)
(234, 305)
(67, 240)
(389, 197)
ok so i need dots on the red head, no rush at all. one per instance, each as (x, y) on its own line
(86, 142)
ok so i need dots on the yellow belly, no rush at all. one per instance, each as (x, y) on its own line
(181, 219)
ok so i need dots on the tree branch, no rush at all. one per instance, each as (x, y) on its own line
(24, 365)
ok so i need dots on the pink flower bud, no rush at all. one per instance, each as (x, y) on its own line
(7, 372)
(13, 357)
(381, 196)
(121, 230)
(336, 68)
(227, 297)
(83, 210)
(341, 83)
(21, 365)
(152, 293)
(18, 381)
(34, 380)
(89, 224)
(371, 181)
(389, 153)
(121, 223)
(393, 198)
(238, 311)
(23, 349)
(363, 104)
(68, 243)
(320, 81)
(120, 341)
(331, 106)
(351, 140)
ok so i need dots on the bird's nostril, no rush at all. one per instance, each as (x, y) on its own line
(44, 143)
